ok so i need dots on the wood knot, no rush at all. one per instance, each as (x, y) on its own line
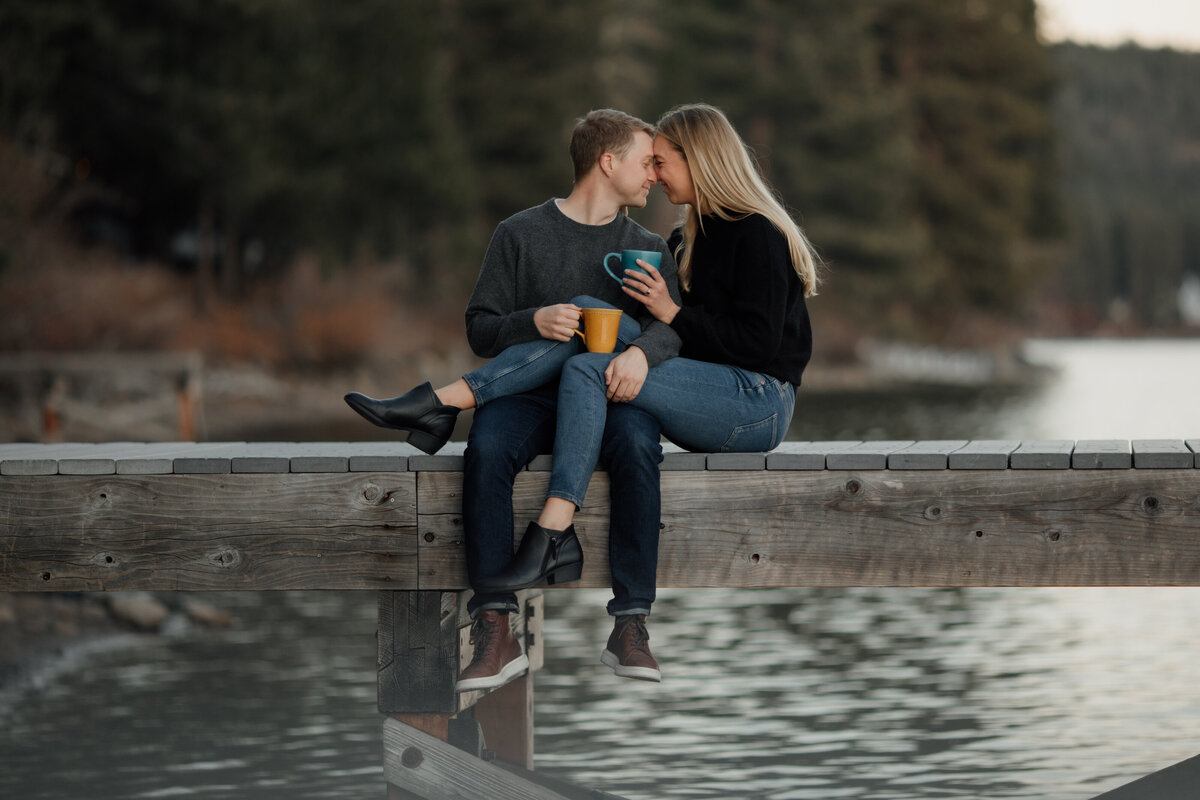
(853, 486)
(226, 557)
(1150, 505)
(1054, 534)
(933, 512)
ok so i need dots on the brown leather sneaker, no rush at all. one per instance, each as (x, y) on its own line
(498, 657)
(628, 651)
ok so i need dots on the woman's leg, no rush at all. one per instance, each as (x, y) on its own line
(528, 365)
(716, 408)
(701, 406)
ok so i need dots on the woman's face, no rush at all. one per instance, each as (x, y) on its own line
(673, 173)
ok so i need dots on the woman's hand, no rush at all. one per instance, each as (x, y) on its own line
(649, 289)
(557, 322)
(625, 375)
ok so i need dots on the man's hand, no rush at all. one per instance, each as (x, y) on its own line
(557, 322)
(625, 375)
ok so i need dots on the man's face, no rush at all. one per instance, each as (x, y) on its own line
(633, 173)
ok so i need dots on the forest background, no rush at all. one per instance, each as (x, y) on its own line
(310, 186)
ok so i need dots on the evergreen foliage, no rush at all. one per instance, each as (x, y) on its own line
(1129, 121)
(912, 138)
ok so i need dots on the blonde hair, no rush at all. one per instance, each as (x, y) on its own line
(728, 184)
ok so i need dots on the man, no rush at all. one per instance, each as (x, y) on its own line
(537, 261)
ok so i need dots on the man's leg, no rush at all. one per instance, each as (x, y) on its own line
(631, 453)
(505, 436)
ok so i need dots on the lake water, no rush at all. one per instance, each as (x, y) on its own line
(890, 694)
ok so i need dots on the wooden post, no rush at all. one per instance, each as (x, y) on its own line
(424, 641)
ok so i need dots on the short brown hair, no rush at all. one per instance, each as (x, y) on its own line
(605, 130)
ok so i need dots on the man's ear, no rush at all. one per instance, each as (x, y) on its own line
(607, 165)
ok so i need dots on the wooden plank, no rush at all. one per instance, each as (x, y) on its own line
(736, 462)
(207, 532)
(983, 454)
(675, 459)
(380, 456)
(772, 527)
(1176, 782)
(506, 717)
(1102, 454)
(893, 528)
(925, 455)
(147, 458)
(1045, 454)
(45, 459)
(1161, 454)
(804, 455)
(440, 526)
(417, 639)
(430, 768)
(448, 459)
(864, 455)
(214, 458)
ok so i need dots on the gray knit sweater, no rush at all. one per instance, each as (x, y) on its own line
(540, 257)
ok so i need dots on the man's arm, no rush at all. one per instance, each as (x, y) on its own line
(493, 320)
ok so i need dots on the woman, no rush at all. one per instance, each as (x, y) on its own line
(745, 268)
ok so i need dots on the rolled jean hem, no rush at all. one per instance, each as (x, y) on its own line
(474, 389)
(496, 605)
(624, 612)
(566, 496)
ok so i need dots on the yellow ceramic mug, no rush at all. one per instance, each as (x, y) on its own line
(600, 326)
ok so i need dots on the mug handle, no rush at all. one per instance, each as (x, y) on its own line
(609, 271)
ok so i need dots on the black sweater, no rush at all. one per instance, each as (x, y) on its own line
(746, 305)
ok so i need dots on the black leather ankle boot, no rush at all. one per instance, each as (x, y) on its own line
(428, 422)
(544, 556)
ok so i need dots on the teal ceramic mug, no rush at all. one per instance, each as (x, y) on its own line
(629, 260)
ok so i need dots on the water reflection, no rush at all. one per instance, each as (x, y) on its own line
(880, 693)
(890, 694)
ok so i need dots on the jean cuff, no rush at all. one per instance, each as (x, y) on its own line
(621, 612)
(565, 496)
(495, 605)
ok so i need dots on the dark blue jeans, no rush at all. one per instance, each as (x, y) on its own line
(505, 436)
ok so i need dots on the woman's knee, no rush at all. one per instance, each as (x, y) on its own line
(587, 367)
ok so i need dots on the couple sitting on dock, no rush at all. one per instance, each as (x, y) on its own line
(712, 342)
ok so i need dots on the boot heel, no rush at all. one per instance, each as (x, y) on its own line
(423, 441)
(566, 574)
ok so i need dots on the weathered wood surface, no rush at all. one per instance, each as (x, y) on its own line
(205, 531)
(424, 642)
(383, 516)
(426, 767)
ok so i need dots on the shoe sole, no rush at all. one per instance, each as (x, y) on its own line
(610, 659)
(421, 440)
(564, 574)
(513, 669)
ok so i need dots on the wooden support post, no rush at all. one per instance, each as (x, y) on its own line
(424, 641)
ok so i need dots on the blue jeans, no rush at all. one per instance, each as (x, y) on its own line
(528, 365)
(700, 406)
(505, 436)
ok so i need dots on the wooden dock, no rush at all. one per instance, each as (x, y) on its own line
(382, 516)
